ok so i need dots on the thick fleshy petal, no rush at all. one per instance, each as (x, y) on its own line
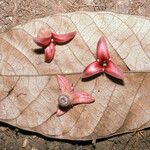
(43, 39)
(44, 33)
(82, 98)
(49, 52)
(64, 84)
(92, 69)
(62, 38)
(60, 112)
(102, 50)
(114, 70)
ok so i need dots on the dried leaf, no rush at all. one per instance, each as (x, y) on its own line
(29, 88)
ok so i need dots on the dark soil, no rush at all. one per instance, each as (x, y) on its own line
(14, 12)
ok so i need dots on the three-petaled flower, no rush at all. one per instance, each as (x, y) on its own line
(103, 63)
(68, 97)
(48, 40)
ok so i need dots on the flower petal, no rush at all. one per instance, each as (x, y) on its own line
(60, 112)
(62, 38)
(49, 52)
(43, 39)
(82, 98)
(102, 50)
(92, 69)
(114, 70)
(44, 33)
(64, 84)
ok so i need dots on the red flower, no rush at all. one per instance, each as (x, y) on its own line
(103, 63)
(48, 40)
(68, 97)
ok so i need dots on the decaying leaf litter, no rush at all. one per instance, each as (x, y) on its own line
(37, 83)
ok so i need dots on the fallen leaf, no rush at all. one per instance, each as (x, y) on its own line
(29, 88)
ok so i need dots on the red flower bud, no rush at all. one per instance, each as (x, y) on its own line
(49, 40)
(68, 97)
(103, 63)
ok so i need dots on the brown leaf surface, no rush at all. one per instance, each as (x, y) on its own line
(29, 89)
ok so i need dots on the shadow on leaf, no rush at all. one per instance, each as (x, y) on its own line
(115, 80)
(39, 51)
(65, 109)
(91, 77)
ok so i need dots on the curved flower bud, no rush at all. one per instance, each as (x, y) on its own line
(62, 38)
(103, 63)
(47, 40)
(68, 97)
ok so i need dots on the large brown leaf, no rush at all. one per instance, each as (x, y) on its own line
(29, 90)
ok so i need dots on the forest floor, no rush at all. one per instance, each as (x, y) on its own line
(15, 12)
